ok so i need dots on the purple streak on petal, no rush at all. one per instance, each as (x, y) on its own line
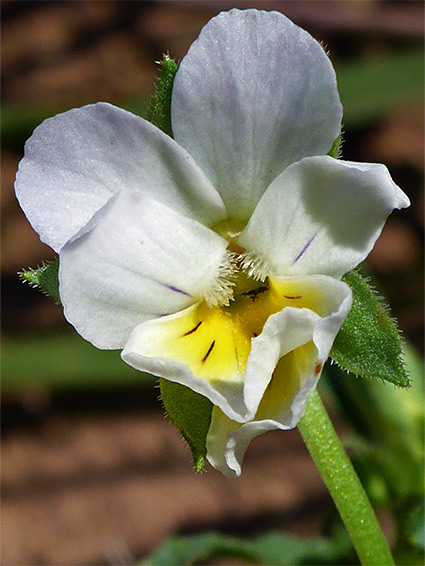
(305, 248)
(176, 290)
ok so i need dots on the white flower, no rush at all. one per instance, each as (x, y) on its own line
(216, 257)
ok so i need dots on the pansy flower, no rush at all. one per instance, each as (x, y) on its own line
(214, 259)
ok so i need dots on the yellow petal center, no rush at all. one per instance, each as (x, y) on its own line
(215, 342)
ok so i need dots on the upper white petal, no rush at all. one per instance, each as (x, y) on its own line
(77, 160)
(322, 215)
(140, 261)
(254, 93)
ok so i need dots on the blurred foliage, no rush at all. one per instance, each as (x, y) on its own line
(62, 362)
(369, 89)
(274, 548)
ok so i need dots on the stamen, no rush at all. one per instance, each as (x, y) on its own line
(220, 290)
(256, 265)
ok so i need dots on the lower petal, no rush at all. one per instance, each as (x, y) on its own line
(229, 353)
(282, 406)
(199, 347)
(280, 402)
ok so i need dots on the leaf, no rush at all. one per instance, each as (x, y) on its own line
(369, 343)
(159, 112)
(190, 412)
(45, 278)
(274, 548)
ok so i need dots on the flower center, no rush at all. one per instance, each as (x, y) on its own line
(239, 271)
(214, 336)
(215, 342)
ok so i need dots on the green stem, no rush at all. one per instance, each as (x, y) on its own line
(344, 485)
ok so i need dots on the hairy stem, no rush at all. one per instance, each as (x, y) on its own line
(344, 485)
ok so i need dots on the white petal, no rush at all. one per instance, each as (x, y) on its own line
(254, 93)
(320, 306)
(282, 403)
(322, 215)
(196, 348)
(76, 161)
(140, 261)
(228, 441)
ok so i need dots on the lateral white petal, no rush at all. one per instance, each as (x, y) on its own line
(281, 404)
(75, 161)
(140, 261)
(322, 215)
(254, 93)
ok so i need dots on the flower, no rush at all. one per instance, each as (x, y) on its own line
(214, 259)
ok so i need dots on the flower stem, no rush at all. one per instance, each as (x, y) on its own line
(344, 485)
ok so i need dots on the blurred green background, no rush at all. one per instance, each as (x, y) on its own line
(92, 473)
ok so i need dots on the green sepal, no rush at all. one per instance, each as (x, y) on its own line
(45, 278)
(190, 412)
(336, 149)
(369, 344)
(159, 112)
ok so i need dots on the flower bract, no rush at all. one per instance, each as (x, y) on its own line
(214, 259)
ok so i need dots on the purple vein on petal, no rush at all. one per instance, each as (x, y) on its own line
(171, 287)
(305, 248)
(176, 289)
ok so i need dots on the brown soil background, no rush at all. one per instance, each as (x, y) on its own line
(101, 477)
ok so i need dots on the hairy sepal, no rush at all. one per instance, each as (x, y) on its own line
(369, 344)
(190, 412)
(159, 112)
(44, 278)
(336, 149)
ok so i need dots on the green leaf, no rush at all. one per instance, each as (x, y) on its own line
(45, 278)
(159, 112)
(274, 548)
(191, 414)
(369, 343)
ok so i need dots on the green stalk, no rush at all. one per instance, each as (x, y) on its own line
(344, 485)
